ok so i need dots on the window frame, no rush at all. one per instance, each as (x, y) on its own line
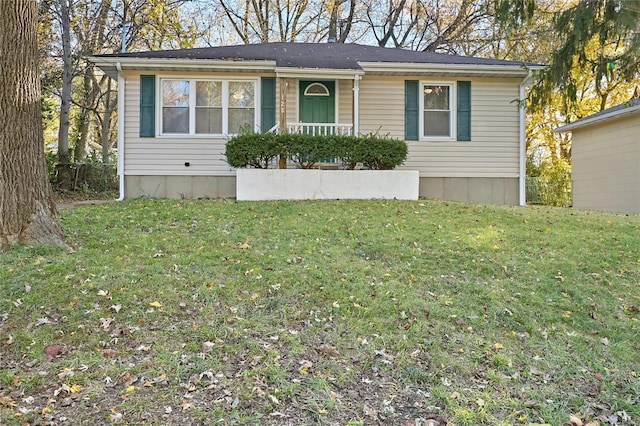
(192, 108)
(452, 110)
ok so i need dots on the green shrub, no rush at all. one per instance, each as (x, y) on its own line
(256, 150)
(378, 153)
(307, 151)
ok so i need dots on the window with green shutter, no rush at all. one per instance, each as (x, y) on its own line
(464, 111)
(268, 104)
(411, 110)
(438, 111)
(147, 106)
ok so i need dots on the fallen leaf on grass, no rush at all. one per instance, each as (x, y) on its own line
(305, 366)
(106, 323)
(7, 401)
(52, 352)
(388, 358)
(207, 346)
(243, 246)
(155, 304)
(574, 421)
(328, 350)
(604, 341)
(115, 417)
(109, 353)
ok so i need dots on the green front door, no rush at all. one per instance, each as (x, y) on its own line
(317, 101)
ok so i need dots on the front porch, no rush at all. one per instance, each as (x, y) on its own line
(322, 129)
(316, 104)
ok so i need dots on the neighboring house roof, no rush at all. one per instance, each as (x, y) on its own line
(326, 56)
(626, 108)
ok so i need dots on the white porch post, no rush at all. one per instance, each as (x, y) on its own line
(356, 105)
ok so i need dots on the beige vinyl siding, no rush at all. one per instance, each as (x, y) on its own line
(606, 165)
(382, 105)
(292, 100)
(494, 148)
(345, 101)
(167, 155)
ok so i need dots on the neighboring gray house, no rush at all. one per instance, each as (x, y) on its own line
(605, 159)
(459, 115)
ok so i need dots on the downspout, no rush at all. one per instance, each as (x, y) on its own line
(356, 105)
(120, 165)
(522, 173)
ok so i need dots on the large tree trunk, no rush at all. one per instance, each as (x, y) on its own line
(27, 209)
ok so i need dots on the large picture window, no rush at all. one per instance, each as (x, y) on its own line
(209, 107)
(438, 107)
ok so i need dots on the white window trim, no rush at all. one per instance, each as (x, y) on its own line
(453, 107)
(326, 90)
(192, 105)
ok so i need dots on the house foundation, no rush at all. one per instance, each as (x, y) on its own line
(485, 190)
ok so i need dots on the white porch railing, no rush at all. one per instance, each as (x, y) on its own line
(321, 128)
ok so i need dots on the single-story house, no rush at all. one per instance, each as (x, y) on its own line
(605, 159)
(460, 116)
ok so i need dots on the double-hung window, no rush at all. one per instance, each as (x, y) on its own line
(437, 110)
(207, 107)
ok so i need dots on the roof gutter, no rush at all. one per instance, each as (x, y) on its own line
(522, 139)
(121, 103)
(182, 63)
(292, 72)
(466, 69)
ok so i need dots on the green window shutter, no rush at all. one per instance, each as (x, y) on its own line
(464, 111)
(411, 110)
(147, 106)
(268, 104)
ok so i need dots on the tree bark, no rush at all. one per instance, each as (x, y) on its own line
(67, 79)
(27, 209)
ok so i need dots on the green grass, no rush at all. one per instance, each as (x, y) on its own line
(334, 312)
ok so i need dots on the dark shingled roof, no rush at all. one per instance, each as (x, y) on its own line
(315, 55)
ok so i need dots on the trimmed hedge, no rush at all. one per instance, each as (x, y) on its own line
(259, 150)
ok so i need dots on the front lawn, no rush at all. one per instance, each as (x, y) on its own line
(330, 312)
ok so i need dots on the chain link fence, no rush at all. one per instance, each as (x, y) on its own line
(543, 191)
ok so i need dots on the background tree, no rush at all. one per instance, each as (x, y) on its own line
(27, 211)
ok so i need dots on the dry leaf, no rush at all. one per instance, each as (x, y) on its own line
(155, 304)
(243, 246)
(6, 401)
(328, 350)
(109, 353)
(52, 352)
(207, 346)
(115, 417)
(604, 341)
(305, 367)
(574, 421)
